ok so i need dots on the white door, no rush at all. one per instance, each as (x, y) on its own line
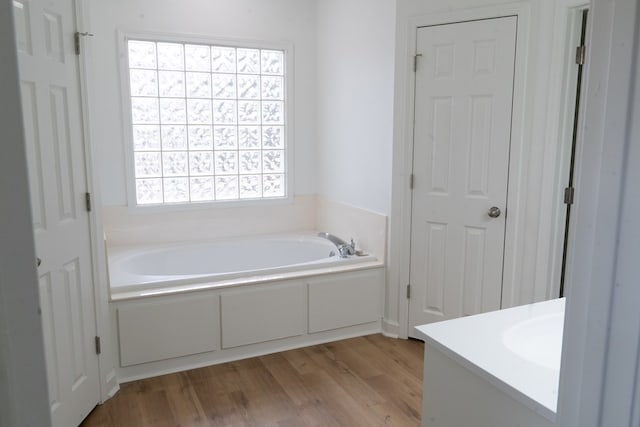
(463, 96)
(54, 136)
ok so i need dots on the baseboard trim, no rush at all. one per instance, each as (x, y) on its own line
(390, 328)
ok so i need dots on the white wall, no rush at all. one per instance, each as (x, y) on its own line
(23, 382)
(290, 21)
(355, 101)
(529, 230)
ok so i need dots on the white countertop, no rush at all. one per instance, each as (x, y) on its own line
(478, 343)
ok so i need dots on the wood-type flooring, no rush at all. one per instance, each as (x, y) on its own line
(364, 381)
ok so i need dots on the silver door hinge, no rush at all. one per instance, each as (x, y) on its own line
(87, 201)
(581, 53)
(415, 61)
(411, 179)
(408, 291)
(76, 40)
(568, 195)
(98, 346)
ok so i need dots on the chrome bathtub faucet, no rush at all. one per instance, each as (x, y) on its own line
(344, 249)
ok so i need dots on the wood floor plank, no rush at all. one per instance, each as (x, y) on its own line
(300, 361)
(219, 407)
(347, 379)
(300, 391)
(185, 407)
(397, 361)
(408, 401)
(339, 403)
(155, 409)
(365, 381)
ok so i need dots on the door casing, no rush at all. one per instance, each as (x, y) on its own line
(106, 360)
(566, 70)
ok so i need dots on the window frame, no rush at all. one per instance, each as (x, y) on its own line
(127, 126)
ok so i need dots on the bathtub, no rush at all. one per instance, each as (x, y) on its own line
(496, 369)
(182, 306)
(152, 268)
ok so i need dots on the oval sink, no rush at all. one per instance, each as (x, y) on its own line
(537, 340)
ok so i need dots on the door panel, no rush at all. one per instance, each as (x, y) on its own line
(463, 96)
(55, 151)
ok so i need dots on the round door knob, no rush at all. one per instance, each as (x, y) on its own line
(38, 262)
(494, 212)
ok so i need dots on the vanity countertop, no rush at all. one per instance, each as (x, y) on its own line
(517, 350)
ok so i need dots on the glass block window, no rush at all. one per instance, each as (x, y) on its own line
(208, 122)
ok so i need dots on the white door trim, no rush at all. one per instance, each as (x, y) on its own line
(559, 115)
(599, 374)
(106, 366)
(404, 145)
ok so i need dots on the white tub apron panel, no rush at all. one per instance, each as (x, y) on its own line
(159, 334)
(267, 313)
(161, 330)
(359, 300)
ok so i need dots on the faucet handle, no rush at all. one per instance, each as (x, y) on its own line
(343, 250)
(353, 244)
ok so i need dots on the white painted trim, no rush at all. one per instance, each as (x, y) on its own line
(122, 35)
(515, 223)
(390, 329)
(597, 378)
(400, 257)
(621, 396)
(560, 115)
(106, 369)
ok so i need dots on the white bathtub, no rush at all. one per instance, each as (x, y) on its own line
(183, 306)
(155, 267)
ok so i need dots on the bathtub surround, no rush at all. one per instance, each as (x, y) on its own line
(367, 228)
(124, 226)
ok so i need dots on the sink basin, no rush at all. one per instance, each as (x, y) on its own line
(537, 340)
